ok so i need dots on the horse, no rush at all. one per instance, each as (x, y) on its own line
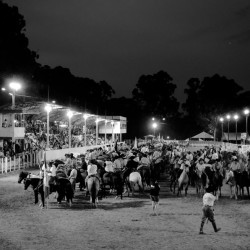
(174, 175)
(232, 183)
(242, 180)
(145, 174)
(93, 187)
(36, 183)
(215, 179)
(200, 181)
(133, 179)
(108, 179)
(64, 188)
(80, 178)
(155, 169)
(183, 181)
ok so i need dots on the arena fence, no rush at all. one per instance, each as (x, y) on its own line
(17, 162)
(34, 158)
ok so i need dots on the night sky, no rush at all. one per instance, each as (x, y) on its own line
(119, 40)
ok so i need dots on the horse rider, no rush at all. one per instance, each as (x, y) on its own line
(118, 163)
(200, 166)
(92, 172)
(144, 162)
(109, 168)
(235, 165)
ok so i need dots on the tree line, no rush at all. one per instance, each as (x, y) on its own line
(153, 95)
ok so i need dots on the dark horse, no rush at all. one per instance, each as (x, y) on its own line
(35, 182)
(64, 188)
(93, 187)
(242, 180)
(115, 181)
(174, 176)
(145, 174)
(215, 180)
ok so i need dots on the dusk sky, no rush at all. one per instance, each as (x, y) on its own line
(119, 40)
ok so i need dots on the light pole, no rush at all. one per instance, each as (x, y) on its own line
(15, 86)
(48, 109)
(112, 124)
(96, 140)
(85, 116)
(105, 137)
(222, 122)
(228, 120)
(70, 114)
(246, 112)
(236, 117)
(154, 125)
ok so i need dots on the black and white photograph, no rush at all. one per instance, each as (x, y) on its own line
(124, 124)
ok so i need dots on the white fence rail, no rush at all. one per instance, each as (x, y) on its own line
(21, 161)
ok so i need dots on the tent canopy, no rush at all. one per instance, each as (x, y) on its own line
(203, 135)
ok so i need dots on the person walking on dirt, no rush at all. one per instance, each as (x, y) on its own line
(207, 209)
(154, 195)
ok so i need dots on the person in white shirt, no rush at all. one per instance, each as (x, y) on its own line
(207, 209)
(92, 171)
(200, 166)
(72, 177)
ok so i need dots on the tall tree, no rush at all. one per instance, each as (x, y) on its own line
(211, 98)
(155, 94)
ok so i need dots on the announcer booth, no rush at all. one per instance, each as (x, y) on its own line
(115, 126)
(12, 129)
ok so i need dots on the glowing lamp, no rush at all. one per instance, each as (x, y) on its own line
(15, 86)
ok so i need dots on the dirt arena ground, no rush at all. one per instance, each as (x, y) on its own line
(116, 224)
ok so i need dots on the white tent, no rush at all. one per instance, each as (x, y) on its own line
(203, 135)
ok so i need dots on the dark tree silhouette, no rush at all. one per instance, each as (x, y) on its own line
(209, 99)
(154, 94)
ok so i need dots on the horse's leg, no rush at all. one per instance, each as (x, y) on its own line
(132, 187)
(36, 196)
(186, 189)
(42, 197)
(236, 192)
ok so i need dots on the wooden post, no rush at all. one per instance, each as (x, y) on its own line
(14, 162)
(6, 164)
(19, 162)
(10, 164)
(2, 165)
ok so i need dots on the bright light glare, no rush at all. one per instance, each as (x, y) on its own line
(10, 93)
(3, 89)
(154, 125)
(70, 114)
(221, 119)
(228, 117)
(236, 117)
(85, 116)
(53, 102)
(153, 119)
(15, 86)
(246, 111)
(112, 122)
(48, 108)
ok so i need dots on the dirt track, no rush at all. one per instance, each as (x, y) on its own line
(117, 224)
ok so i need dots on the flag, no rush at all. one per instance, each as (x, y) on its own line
(135, 143)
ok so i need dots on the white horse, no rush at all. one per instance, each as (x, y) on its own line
(135, 178)
(183, 181)
(230, 180)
